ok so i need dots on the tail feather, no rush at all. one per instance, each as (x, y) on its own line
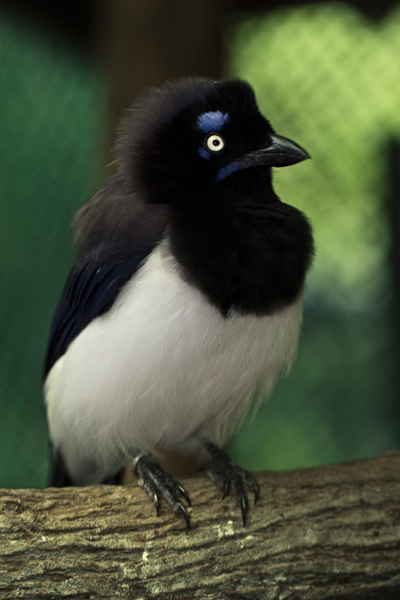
(58, 475)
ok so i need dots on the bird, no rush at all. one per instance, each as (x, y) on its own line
(184, 304)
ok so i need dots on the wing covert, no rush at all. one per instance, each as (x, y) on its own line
(90, 291)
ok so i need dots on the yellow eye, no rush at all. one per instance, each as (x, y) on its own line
(214, 142)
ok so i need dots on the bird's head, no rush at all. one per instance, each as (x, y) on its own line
(198, 134)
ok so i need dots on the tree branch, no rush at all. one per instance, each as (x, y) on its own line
(328, 532)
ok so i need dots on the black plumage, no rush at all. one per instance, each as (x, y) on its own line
(194, 177)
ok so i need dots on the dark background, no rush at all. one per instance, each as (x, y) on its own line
(327, 75)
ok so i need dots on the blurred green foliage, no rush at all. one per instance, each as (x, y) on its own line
(330, 79)
(52, 110)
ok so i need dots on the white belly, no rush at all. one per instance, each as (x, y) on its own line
(160, 368)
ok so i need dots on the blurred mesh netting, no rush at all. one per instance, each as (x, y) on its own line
(326, 77)
(51, 108)
(329, 78)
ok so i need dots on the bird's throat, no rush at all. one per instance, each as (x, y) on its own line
(252, 260)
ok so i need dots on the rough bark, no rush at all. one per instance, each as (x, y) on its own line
(328, 532)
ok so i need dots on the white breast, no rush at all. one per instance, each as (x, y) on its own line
(160, 368)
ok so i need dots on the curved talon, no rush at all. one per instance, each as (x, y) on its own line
(226, 488)
(184, 494)
(160, 486)
(242, 504)
(252, 485)
(185, 515)
(230, 476)
(156, 501)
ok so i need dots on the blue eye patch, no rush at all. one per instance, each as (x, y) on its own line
(228, 170)
(212, 121)
(204, 153)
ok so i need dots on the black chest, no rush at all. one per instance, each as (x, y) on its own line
(247, 255)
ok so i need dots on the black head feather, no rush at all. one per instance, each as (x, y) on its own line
(157, 150)
(232, 236)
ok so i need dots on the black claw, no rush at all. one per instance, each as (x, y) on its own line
(229, 476)
(185, 515)
(252, 485)
(242, 503)
(184, 494)
(226, 488)
(159, 485)
(156, 503)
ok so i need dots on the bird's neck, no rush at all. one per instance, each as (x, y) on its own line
(244, 254)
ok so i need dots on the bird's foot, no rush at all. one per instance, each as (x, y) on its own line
(229, 476)
(158, 483)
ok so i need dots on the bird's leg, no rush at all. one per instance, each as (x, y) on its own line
(158, 483)
(229, 476)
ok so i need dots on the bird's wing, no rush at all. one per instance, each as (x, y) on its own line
(90, 291)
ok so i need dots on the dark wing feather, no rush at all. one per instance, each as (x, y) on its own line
(116, 232)
(90, 291)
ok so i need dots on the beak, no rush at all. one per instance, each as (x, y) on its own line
(282, 152)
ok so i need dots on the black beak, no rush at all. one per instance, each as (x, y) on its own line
(282, 152)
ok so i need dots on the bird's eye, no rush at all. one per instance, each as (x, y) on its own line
(214, 142)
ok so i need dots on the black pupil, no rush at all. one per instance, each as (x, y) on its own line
(215, 142)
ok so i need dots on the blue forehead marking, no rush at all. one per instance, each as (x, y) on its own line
(228, 170)
(212, 121)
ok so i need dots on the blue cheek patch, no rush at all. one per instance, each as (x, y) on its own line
(204, 153)
(228, 170)
(212, 121)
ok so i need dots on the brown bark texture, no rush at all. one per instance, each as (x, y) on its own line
(326, 532)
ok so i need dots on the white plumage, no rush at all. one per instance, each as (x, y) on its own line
(161, 368)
